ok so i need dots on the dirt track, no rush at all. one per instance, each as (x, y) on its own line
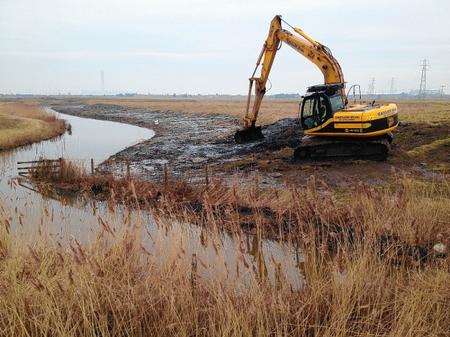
(185, 142)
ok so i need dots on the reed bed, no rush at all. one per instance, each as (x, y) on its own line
(374, 263)
(114, 286)
(410, 215)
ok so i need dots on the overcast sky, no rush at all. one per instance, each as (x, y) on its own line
(209, 46)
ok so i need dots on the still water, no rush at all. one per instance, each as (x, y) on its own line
(30, 213)
(88, 139)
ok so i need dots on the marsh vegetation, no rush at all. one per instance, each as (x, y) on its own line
(371, 264)
(371, 259)
(27, 123)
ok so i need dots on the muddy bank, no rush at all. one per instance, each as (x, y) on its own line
(187, 142)
(184, 142)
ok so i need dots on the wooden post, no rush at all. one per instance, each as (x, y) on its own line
(206, 176)
(166, 177)
(61, 163)
(194, 273)
(128, 170)
(92, 165)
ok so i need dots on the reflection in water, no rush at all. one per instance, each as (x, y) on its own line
(88, 139)
(221, 256)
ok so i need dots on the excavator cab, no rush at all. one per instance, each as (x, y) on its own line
(319, 104)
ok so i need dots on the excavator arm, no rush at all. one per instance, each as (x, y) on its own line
(314, 51)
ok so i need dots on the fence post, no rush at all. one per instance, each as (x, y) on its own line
(206, 176)
(61, 163)
(194, 273)
(92, 165)
(166, 177)
(128, 170)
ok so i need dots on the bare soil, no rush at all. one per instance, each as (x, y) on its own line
(187, 143)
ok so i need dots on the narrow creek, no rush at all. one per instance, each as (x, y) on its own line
(30, 213)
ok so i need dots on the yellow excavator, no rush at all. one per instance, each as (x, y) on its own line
(332, 127)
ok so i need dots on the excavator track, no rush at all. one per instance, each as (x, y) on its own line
(313, 148)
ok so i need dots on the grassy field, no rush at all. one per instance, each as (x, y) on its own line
(26, 123)
(270, 110)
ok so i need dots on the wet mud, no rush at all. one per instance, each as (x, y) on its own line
(184, 143)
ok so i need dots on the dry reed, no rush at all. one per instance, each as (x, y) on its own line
(408, 215)
(116, 287)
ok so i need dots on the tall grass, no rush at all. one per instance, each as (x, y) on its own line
(408, 211)
(26, 123)
(115, 287)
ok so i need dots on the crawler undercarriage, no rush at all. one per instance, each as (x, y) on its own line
(315, 148)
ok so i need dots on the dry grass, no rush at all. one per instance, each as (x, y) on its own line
(26, 123)
(428, 112)
(271, 111)
(370, 265)
(425, 134)
(276, 213)
(363, 287)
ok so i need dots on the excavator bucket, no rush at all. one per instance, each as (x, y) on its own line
(248, 135)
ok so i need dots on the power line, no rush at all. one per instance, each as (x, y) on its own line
(423, 78)
(371, 89)
(391, 91)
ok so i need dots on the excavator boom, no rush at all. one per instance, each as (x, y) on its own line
(314, 51)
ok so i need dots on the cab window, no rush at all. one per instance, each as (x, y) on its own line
(309, 113)
(315, 112)
(336, 103)
(308, 108)
(321, 109)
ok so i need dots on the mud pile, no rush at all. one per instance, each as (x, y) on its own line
(185, 142)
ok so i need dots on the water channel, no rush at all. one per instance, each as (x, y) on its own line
(31, 213)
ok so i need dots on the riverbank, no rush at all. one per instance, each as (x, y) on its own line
(26, 123)
(173, 256)
(282, 215)
(193, 137)
(185, 143)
